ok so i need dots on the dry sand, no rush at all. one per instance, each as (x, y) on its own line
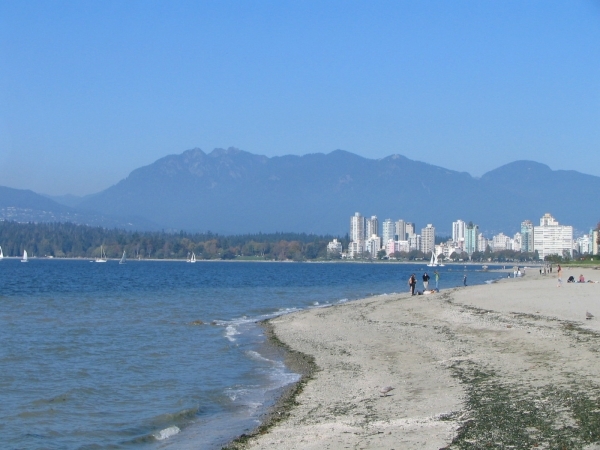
(509, 365)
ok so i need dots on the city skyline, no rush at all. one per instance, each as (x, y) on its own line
(546, 239)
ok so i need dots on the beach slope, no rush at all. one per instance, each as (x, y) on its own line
(509, 364)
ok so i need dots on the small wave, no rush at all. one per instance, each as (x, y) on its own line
(257, 356)
(230, 332)
(166, 433)
(343, 300)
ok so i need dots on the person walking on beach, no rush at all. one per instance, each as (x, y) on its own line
(559, 275)
(465, 279)
(437, 279)
(412, 282)
(425, 281)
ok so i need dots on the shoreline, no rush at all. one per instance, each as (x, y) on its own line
(445, 355)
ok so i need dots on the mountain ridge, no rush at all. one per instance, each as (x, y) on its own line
(231, 191)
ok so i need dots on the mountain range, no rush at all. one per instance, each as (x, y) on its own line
(232, 192)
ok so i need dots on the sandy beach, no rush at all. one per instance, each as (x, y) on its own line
(513, 364)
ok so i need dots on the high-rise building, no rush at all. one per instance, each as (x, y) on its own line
(595, 245)
(458, 231)
(427, 238)
(551, 238)
(471, 234)
(410, 229)
(527, 236)
(400, 230)
(482, 243)
(357, 228)
(371, 227)
(388, 231)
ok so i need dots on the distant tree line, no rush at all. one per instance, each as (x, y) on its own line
(62, 240)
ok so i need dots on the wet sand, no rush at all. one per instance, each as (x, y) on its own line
(510, 365)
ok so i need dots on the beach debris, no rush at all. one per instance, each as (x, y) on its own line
(384, 391)
(589, 315)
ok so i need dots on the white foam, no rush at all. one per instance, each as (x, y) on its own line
(258, 357)
(166, 433)
(230, 332)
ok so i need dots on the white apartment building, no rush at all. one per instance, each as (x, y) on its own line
(500, 242)
(389, 231)
(583, 244)
(356, 249)
(458, 231)
(409, 229)
(517, 242)
(373, 245)
(334, 246)
(427, 238)
(414, 242)
(357, 228)
(551, 238)
(594, 234)
(482, 242)
(371, 227)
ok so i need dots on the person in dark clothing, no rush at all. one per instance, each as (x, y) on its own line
(465, 279)
(425, 281)
(412, 282)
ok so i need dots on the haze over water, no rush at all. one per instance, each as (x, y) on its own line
(107, 355)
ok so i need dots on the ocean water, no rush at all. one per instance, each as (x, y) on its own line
(97, 356)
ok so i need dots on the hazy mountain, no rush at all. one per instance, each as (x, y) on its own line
(26, 206)
(232, 191)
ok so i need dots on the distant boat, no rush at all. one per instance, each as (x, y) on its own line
(24, 256)
(122, 261)
(192, 258)
(1, 254)
(434, 261)
(484, 267)
(102, 258)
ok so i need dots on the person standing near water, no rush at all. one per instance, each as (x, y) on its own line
(559, 275)
(465, 279)
(425, 281)
(412, 282)
(437, 279)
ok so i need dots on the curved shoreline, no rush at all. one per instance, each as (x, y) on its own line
(513, 363)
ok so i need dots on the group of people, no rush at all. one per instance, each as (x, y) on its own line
(412, 282)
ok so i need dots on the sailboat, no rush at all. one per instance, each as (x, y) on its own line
(192, 258)
(1, 254)
(102, 256)
(433, 262)
(24, 256)
(122, 261)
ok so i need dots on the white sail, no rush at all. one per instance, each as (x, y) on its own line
(433, 262)
(102, 258)
(193, 260)
(1, 254)
(122, 258)
(24, 256)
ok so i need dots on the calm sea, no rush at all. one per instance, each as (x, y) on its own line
(97, 356)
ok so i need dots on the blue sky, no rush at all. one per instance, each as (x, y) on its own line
(90, 90)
